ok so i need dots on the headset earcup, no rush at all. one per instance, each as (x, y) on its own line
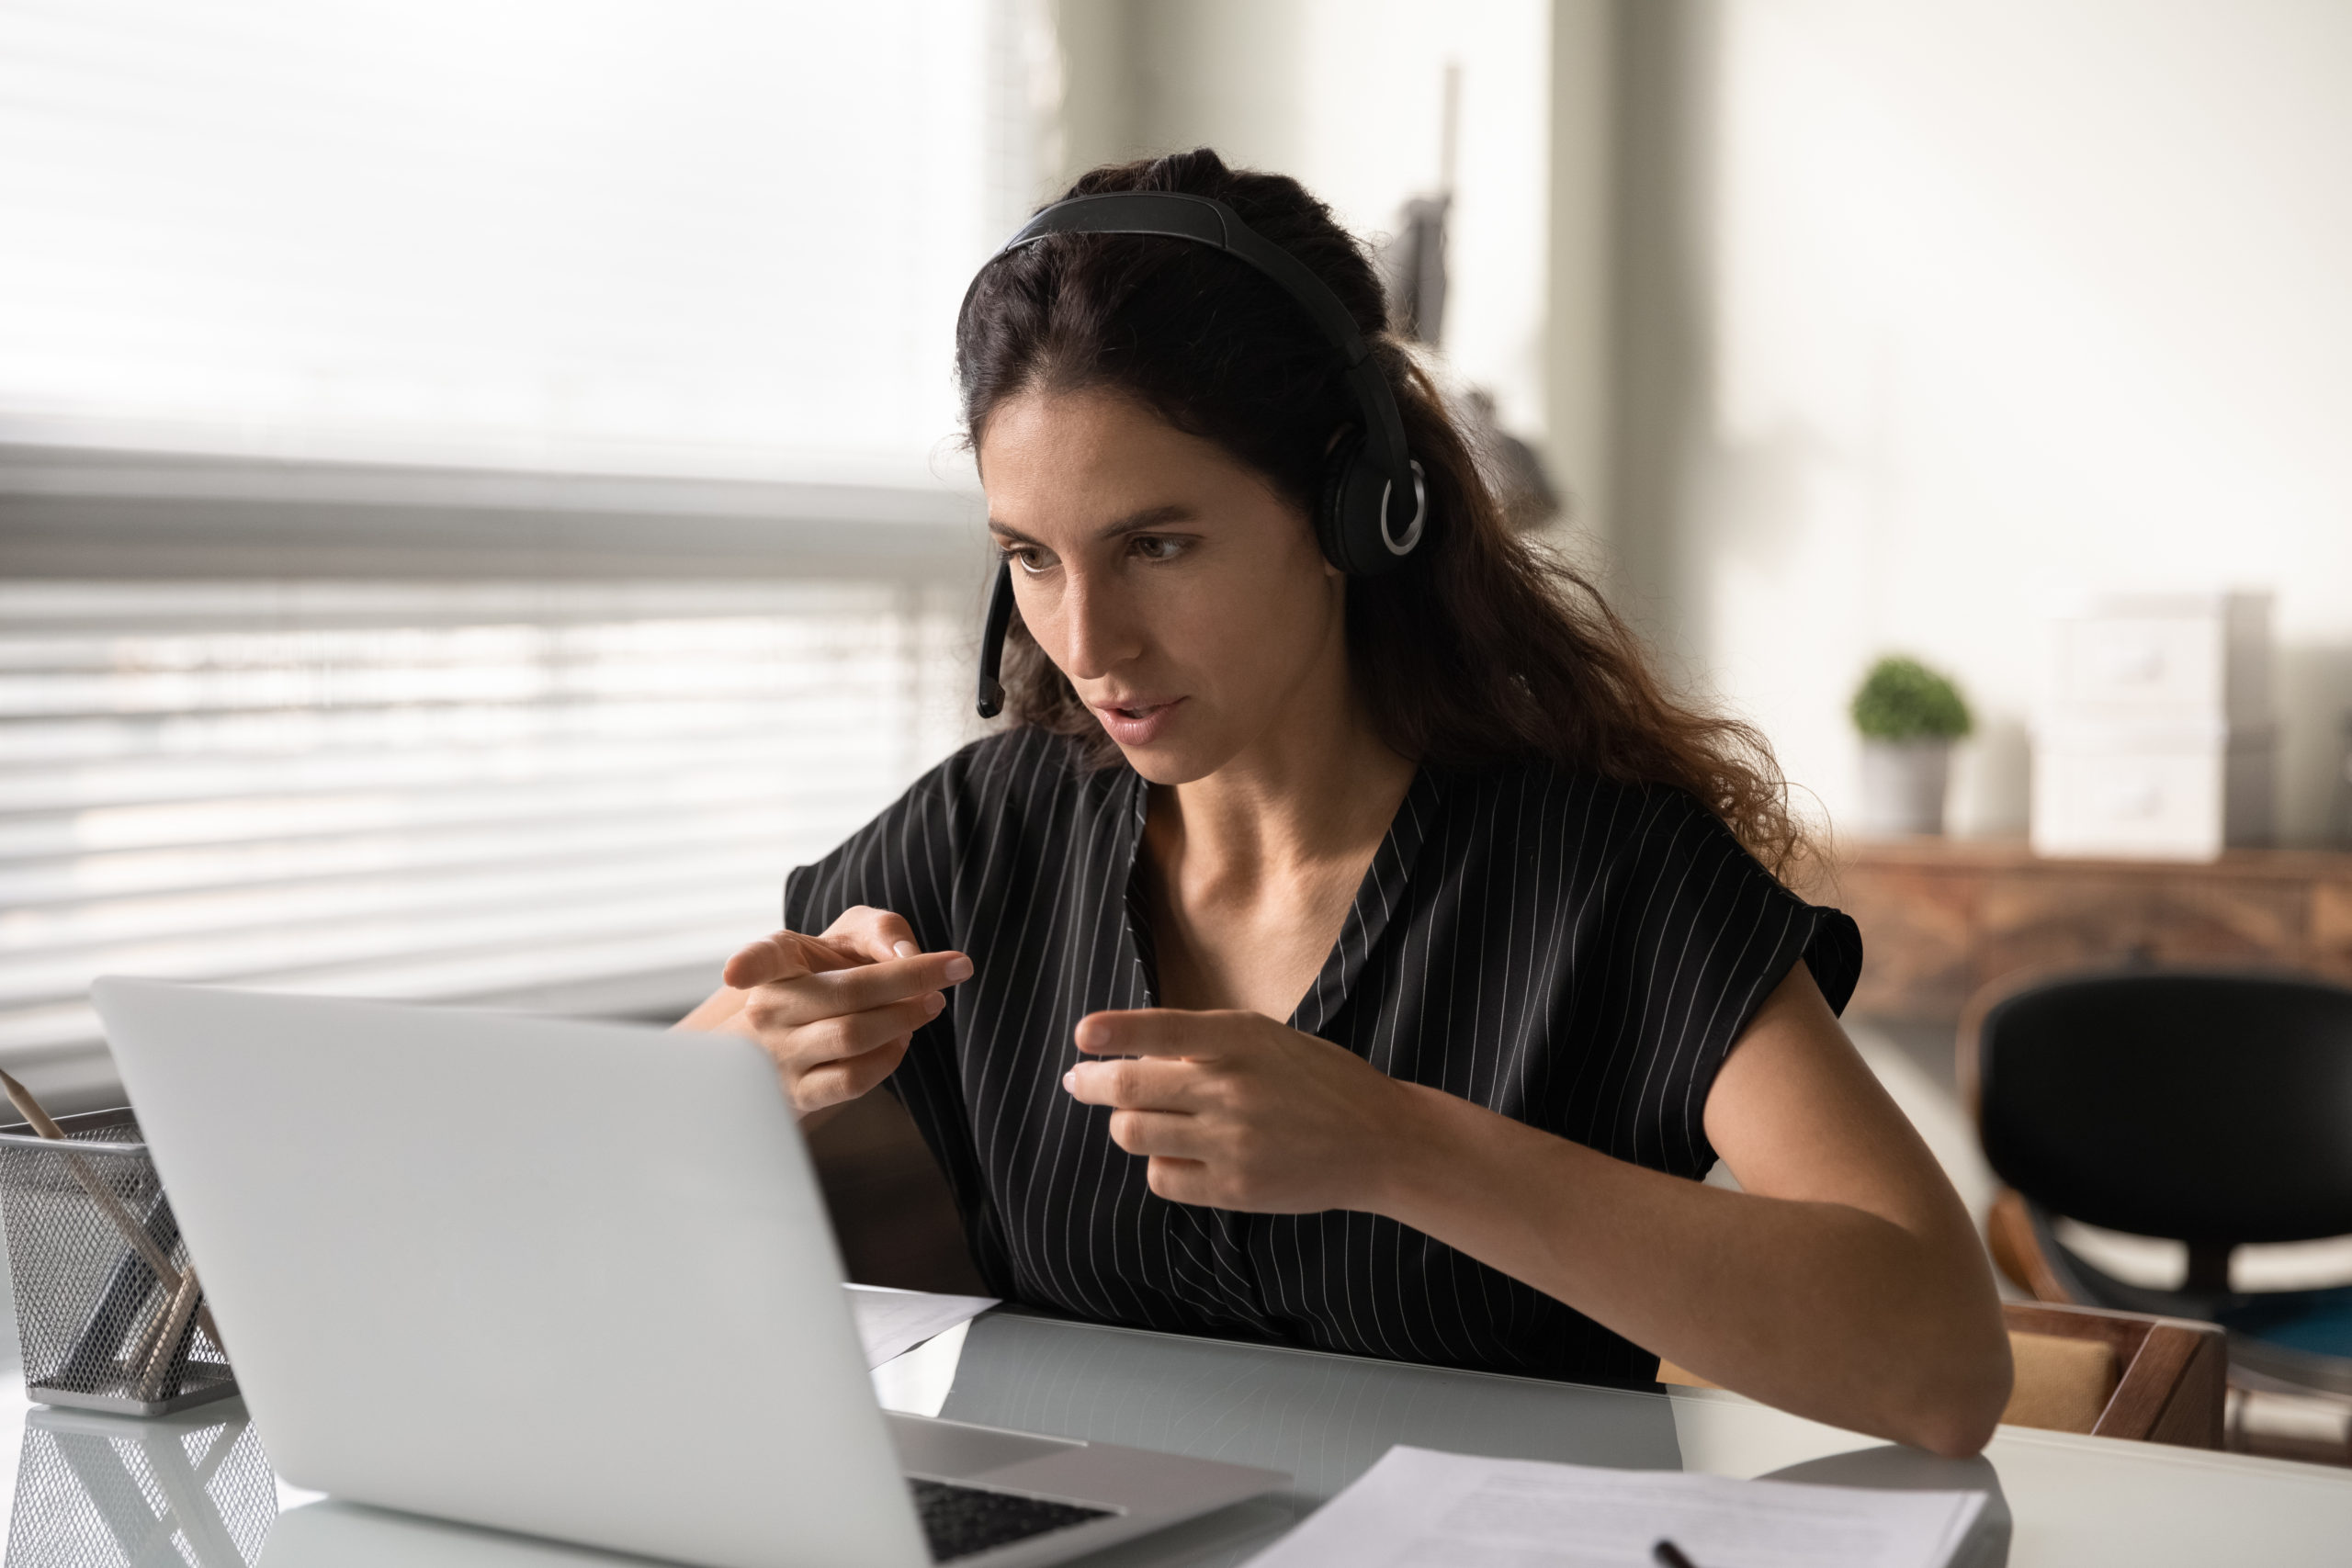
(1348, 526)
(1330, 515)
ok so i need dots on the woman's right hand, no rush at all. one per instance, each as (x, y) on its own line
(837, 1011)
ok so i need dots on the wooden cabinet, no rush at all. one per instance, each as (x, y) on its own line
(1941, 917)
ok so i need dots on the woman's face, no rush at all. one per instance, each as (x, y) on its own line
(1185, 600)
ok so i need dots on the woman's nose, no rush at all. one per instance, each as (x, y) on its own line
(1098, 628)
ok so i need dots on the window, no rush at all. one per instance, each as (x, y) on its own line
(475, 492)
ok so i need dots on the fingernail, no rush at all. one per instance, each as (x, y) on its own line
(1069, 1080)
(905, 950)
(934, 1002)
(959, 968)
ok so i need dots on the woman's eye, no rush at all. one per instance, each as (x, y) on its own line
(1151, 546)
(1027, 560)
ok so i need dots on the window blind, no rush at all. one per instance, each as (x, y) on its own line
(364, 322)
(574, 796)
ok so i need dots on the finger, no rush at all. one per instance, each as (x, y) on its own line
(879, 984)
(854, 1034)
(1178, 1181)
(850, 1077)
(873, 934)
(1156, 1032)
(837, 994)
(1144, 1084)
(1159, 1132)
(787, 956)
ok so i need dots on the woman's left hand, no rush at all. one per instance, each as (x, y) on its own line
(1236, 1111)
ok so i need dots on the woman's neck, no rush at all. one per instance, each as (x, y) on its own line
(1307, 793)
(1251, 871)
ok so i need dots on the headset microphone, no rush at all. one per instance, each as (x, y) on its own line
(1000, 621)
(1369, 473)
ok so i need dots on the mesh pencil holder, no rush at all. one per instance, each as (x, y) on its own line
(107, 1313)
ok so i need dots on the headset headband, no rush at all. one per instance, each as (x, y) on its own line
(1205, 220)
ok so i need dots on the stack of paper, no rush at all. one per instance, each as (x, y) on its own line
(1420, 1509)
(894, 1322)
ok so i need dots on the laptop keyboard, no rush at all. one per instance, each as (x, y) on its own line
(961, 1520)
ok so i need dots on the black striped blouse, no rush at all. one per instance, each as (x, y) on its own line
(1573, 953)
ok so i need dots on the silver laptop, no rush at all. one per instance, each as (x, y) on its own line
(574, 1279)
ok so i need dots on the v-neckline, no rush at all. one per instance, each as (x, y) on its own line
(1377, 898)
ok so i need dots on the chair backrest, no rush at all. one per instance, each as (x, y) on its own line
(2211, 1108)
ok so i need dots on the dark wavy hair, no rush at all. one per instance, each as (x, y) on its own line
(1485, 647)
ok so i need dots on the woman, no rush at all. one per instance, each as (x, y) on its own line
(1371, 963)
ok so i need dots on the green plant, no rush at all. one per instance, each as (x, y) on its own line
(1902, 699)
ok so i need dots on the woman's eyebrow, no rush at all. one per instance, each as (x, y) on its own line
(1134, 523)
(1149, 517)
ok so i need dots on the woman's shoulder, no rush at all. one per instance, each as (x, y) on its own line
(1596, 837)
(1661, 856)
(1519, 801)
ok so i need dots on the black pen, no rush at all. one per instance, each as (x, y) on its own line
(1671, 1555)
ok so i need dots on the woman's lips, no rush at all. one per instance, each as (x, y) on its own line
(1136, 724)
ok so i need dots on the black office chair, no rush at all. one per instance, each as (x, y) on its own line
(2213, 1109)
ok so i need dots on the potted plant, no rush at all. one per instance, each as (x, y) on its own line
(1909, 715)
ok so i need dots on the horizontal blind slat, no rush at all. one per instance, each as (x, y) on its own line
(73, 878)
(444, 769)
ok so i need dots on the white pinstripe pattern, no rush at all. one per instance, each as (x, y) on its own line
(1578, 955)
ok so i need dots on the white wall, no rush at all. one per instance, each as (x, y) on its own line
(1578, 336)
(1345, 95)
(1990, 304)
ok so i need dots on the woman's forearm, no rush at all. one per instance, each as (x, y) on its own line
(1817, 1308)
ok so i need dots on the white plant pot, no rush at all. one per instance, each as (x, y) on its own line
(1904, 784)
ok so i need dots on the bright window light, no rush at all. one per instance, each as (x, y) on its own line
(674, 235)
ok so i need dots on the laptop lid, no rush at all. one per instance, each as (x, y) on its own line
(409, 1220)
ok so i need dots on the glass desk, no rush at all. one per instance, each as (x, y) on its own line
(95, 1490)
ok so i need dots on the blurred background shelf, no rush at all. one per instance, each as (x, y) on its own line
(1942, 917)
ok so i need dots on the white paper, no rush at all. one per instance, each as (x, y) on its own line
(1417, 1509)
(892, 1323)
(919, 1383)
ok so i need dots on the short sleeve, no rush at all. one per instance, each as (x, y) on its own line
(902, 860)
(1700, 935)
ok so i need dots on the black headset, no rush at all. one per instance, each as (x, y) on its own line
(1369, 471)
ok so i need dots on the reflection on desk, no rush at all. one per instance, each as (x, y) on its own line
(118, 1489)
(345, 1535)
(1325, 1418)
